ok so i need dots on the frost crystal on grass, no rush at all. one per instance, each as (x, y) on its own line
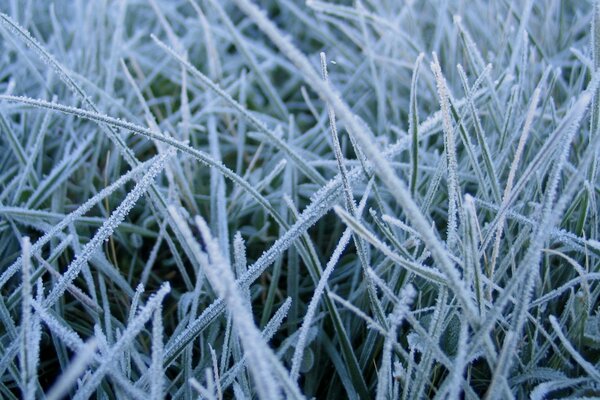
(280, 122)
(106, 230)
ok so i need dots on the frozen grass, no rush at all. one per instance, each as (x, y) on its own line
(286, 199)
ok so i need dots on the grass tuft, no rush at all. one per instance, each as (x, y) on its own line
(183, 187)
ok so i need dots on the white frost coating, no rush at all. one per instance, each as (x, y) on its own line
(268, 332)
(153, 254)
(450, 148)
(79, 364)
(456, 377)
(106, 230)
(511, 175)
(81, 210)
(215, 372)
(218, 199)
(364, 137)
(157, 375)
(422, 270)
(590, 368)
(222, 280)
(139, 291)
(66, 335)
(401, 308)
(314, 302)
(480, 134)
(319, 290)
(413, 124)
(27, 346)
(276, 140)
(136, 325)
(241, 265)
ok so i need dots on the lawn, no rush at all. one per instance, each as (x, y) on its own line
(389, 199)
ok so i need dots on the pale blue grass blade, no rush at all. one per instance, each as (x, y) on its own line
(106, 230)
(413, 125)
(349, 201)
(218, 200)
(454, 191)
(512, 173)
(129, 334)
(270, 329)
(222, 280)
(27, 345)
(157, 382)
(79, 364)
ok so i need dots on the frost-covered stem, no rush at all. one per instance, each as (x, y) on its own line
(413, 126)
(27, 384)
(215, 373)
(240, 263)
(79, 364)
(460, 362)
(157, 375)
(222, 280)
(509, 181)
(349, 203)
(363, 135)
(267, 333)
(133, 329)
(314, 302)
(401, 308)
(587, 366)
(218, 200)
(80, 211)
(472, 252)
(450, 150)
(106, 230)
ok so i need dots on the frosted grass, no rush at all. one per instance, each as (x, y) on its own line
(221, 278)
(106, 230)
(189, 172)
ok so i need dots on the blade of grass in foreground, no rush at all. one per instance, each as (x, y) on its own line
(223, 281)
